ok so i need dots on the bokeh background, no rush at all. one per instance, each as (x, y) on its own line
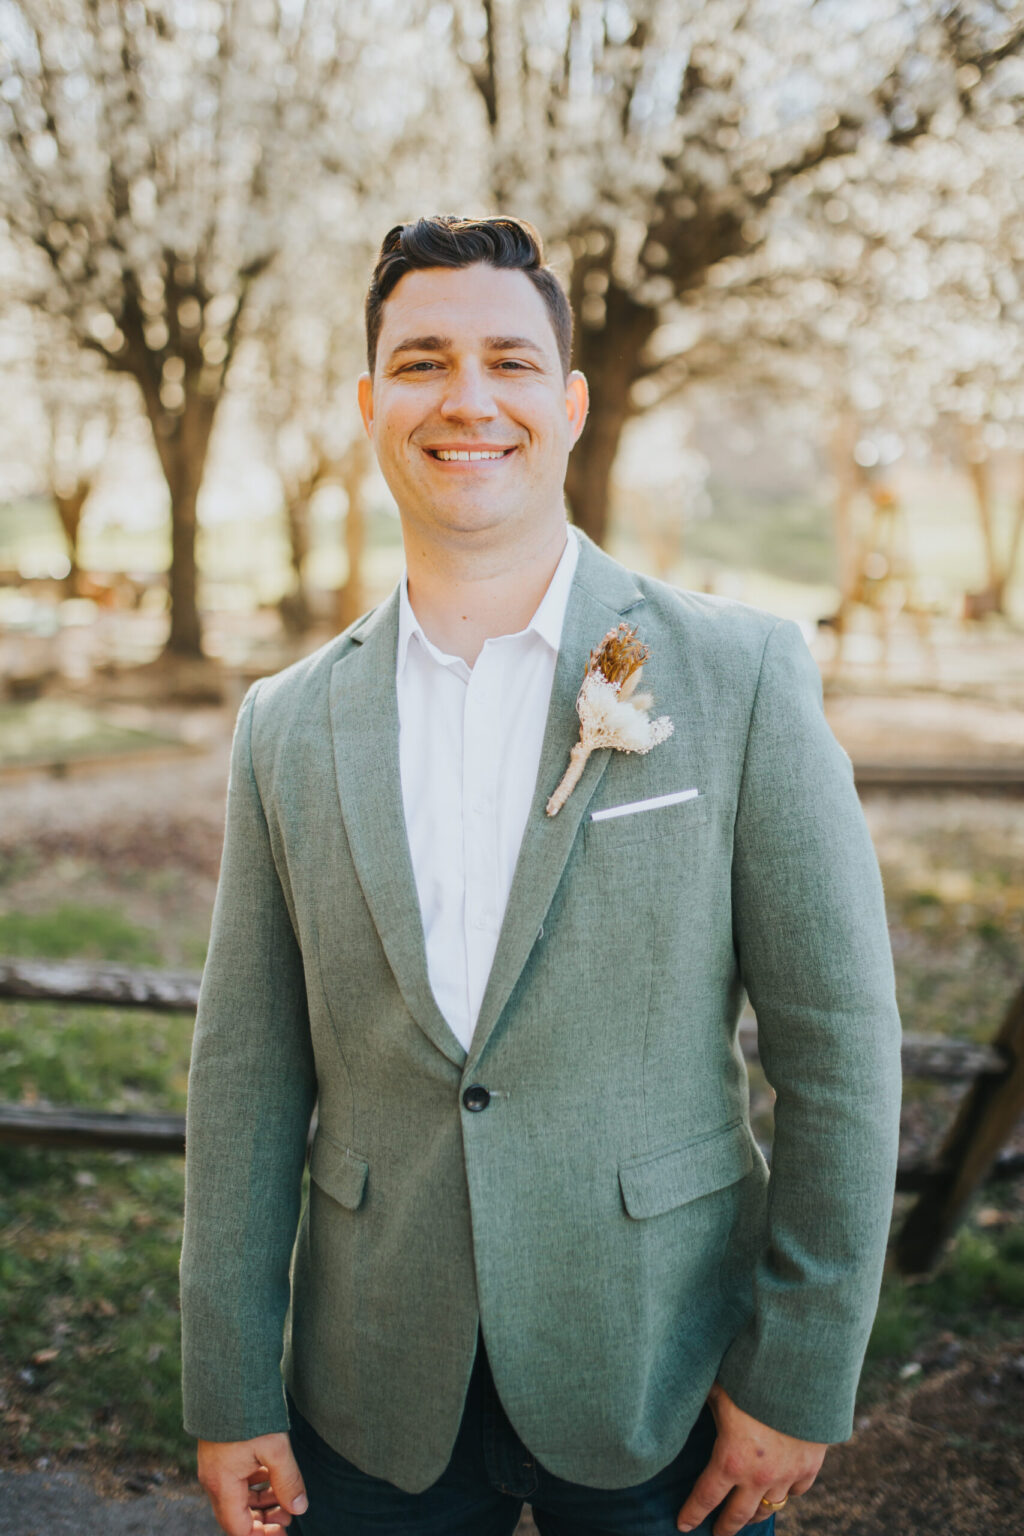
(793, 234)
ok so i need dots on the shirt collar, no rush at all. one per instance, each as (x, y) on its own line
(547, 621)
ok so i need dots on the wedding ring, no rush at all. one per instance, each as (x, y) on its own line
(768, 1504)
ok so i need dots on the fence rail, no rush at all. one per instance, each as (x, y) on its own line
(972, 1152)
(1005, 778)
(126, 986)
(94, 1130)
(84, 981)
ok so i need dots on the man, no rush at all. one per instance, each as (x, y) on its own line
(539, 1237)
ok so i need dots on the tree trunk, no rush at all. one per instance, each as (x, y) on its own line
(296, 613)
(351, 596)
(182, 442)
(181, 430)
(993, 597)
(185, 638)
(588, 478)
(845, 470)
(610, 355)
(69, 509)
(984, 1122)
(1013, 553)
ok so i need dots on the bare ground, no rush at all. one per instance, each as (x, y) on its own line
(944, 1456)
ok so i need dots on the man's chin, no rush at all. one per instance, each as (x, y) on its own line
(458, 517)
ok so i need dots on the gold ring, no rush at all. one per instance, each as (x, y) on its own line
(773, 1507)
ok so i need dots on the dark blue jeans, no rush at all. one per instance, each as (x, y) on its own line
(490, 1476)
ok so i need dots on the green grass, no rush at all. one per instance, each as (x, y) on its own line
(88, 1271)
(53, 730)
(243, 553)
(976, 1292)
(98, 1058)
(786, 537)
(88, 1303)
(955, 899)
(112, 1058)
(100, 933)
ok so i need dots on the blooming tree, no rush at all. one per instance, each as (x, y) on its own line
(156, 158)
(59, 416)
(891, 299)
(653, 139)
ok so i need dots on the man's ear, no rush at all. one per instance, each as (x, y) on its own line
(577, 402)
(365, 394)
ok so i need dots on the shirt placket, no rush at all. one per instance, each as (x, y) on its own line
(480, 824)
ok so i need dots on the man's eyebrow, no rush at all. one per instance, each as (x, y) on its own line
(512, 344)
(422, 344)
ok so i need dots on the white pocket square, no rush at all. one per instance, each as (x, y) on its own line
(645, 805)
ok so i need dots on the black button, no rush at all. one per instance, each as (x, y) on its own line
(476, 1097)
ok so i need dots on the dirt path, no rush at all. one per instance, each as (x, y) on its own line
(165, 796)
(945, 1457)
(64, 1502)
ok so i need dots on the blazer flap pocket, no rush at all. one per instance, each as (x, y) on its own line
(338, 1171)
(655, 1184)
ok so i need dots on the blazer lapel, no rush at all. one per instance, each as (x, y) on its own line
(602, 592)
(364, 729)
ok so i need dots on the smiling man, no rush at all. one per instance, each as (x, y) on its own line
(541, 1257)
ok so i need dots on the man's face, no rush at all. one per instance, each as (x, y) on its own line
(467, 364)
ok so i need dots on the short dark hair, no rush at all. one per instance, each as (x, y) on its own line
(446, 240)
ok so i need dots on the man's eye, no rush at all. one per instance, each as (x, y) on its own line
(419, 367)
(510, 363)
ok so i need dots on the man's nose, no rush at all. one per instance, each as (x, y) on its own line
(468, 395)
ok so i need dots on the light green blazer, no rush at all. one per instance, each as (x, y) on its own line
(607, 1219)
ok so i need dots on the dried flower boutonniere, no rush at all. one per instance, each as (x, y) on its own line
(612, 713)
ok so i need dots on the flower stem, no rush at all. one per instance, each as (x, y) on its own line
(570, 778)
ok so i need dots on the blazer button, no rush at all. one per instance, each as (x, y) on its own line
(476, 1097)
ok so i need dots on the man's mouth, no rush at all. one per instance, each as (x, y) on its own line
(468, 455)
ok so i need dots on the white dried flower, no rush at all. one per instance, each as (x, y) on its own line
(611, 713)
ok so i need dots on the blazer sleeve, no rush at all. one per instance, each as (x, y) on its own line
(252, 1087)
(813, 948)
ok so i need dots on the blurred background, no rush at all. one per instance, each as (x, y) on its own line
(793, 235)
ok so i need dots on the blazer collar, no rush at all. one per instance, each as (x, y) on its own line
(364, 728)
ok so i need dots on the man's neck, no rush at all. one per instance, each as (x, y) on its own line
(464, 597)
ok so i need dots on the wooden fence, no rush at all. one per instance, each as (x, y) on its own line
(971, 1153)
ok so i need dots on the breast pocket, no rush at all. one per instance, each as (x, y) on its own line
(663, 821)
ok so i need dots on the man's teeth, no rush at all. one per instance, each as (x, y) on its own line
(461, 456)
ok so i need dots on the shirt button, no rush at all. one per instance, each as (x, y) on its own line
(476, 1098)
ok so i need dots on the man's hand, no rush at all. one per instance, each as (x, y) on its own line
(254, 1485)
(750, 1462)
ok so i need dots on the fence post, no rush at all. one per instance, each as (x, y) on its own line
(987, 1114)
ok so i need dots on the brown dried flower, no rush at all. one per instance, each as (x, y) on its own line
(619, 656)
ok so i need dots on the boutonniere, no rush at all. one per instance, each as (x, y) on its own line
(612, 713)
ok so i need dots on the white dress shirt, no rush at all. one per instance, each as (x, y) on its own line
(469, 747)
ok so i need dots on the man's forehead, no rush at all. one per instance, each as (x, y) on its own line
(479, 302)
